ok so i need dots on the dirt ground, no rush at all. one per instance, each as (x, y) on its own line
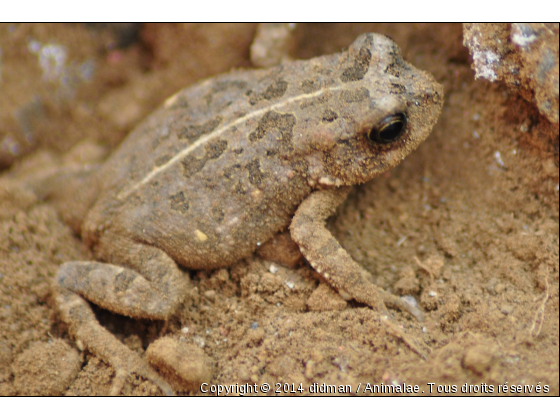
(467, 225)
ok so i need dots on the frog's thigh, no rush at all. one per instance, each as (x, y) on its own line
(325, 254)
(153, 286)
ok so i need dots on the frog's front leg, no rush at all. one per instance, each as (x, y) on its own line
(153, 287)
(328, 258)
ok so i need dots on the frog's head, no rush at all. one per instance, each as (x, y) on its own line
(381, 109)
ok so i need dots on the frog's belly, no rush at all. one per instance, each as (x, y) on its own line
(210, 236)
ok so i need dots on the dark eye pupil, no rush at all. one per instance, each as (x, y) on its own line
(389, 130)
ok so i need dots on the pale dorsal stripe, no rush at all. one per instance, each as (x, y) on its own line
(203, 140)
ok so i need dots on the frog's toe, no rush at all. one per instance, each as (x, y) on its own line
(394, 301)
(140, 367)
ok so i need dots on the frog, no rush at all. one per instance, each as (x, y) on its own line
(223, 166)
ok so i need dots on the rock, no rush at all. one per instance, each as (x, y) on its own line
(523, 55)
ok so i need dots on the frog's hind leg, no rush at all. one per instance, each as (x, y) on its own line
(325, 254)
(153, 287)
(83, 325)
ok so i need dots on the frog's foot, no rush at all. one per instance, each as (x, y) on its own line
(328, 258)
(396, 302)
(77, 313)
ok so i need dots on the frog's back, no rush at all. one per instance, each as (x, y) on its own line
(204, 173)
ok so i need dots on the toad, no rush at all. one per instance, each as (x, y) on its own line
(226, 164)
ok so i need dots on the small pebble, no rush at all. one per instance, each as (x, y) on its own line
(184, 365)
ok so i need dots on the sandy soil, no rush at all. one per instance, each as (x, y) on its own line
(468, 225)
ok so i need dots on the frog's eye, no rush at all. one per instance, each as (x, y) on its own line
(389, 129)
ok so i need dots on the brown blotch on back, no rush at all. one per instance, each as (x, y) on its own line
(359, 68)
(271, 121)
(215, 148)
(329, 116)
(256, 176)
(309, 86)
(218, 90)
(229, 172)
(212, 150)
(194, 132)
(355, 95)
(397, 88)
(192, 165)
(398, 65)
(275, 90)
(178, 202)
